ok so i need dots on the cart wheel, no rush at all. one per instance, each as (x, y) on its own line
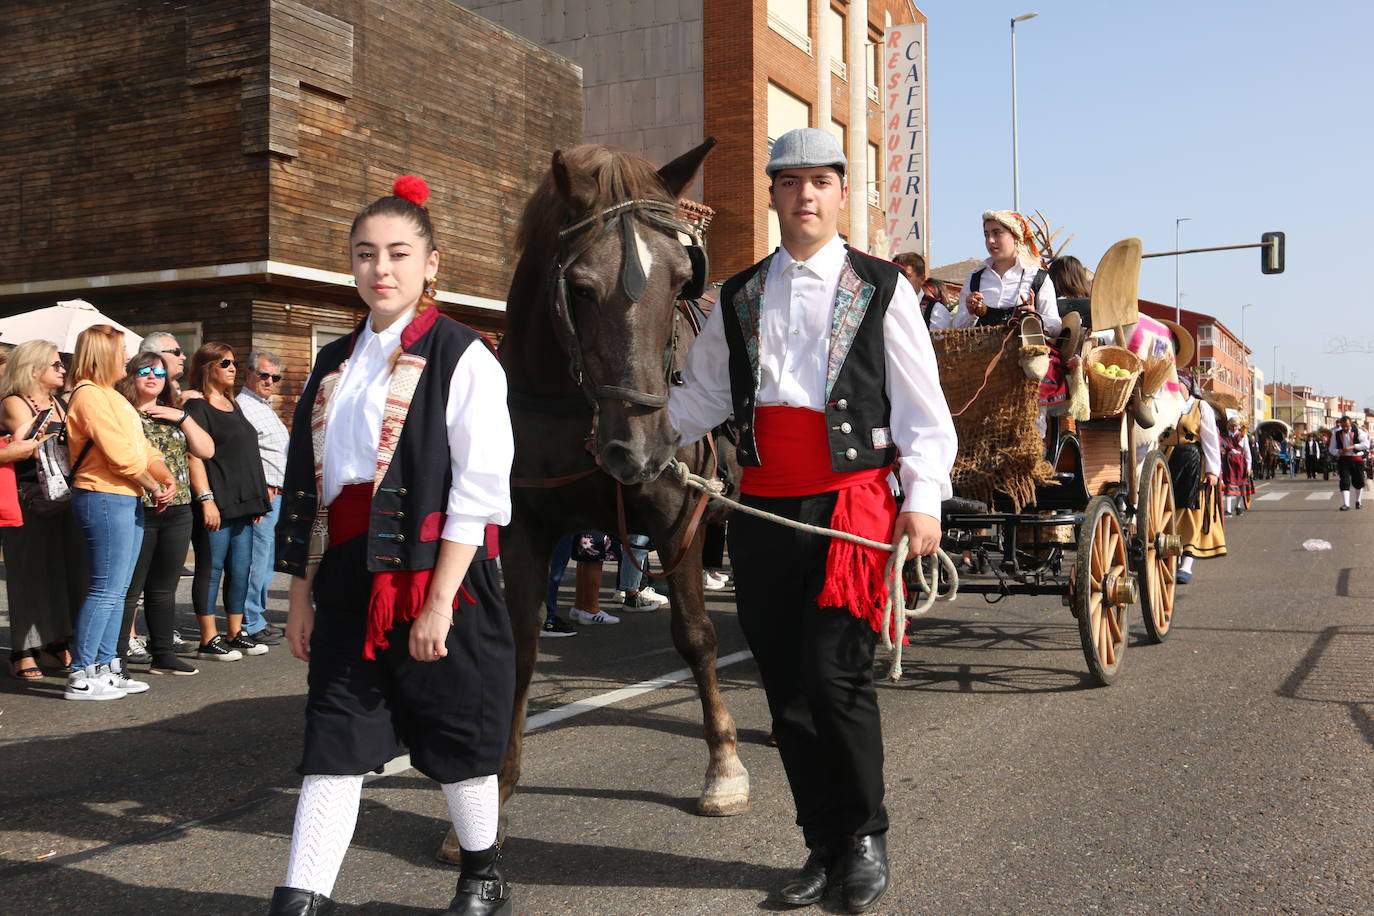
(1157, 529)
(1103, 586)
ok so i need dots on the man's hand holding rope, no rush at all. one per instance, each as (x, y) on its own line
(922, 531)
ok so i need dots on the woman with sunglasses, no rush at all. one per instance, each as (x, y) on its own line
(166, 534)
(229, 494)
(45, 559)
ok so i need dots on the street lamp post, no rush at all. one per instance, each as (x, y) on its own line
(1245, 357)
(1274, 402)
(1015, 147)
(1178, 309)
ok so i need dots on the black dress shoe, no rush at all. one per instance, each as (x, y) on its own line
(292, 901)
(482, 890)
(865, 872)
(808, 885)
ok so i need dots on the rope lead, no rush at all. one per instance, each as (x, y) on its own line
(928, 589)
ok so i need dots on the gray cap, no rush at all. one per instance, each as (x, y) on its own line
(806, 148)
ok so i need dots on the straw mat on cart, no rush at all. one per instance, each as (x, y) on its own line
(1000, 449)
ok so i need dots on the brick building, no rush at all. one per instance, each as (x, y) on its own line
(196, 165)
(660, 77)
(1222, 359)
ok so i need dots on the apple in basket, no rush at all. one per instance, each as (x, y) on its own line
(1111, 371)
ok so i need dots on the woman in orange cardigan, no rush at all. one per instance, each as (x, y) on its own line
(114, 466)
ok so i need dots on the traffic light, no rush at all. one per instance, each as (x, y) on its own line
(1271, 253)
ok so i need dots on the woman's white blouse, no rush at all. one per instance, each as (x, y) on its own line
(480, 444)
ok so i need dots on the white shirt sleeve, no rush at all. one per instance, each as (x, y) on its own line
(480, 446)
(921, 425)
(1047, 307)
(703, 402)
(940, 318)
(1211, 440)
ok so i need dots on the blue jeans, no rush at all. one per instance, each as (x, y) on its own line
(561, 555)
(113, 527)
(261, 569)
(226, 553)
(629, 579)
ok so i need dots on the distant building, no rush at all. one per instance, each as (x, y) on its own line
(1222, 364)
(1298, 406)
(196, 166)
(661, 77)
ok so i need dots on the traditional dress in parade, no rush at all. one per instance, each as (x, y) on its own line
(1235, 467)
(1193, 449)
(828, 370)
(1350, 464)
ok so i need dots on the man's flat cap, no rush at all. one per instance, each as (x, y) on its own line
(806, 148)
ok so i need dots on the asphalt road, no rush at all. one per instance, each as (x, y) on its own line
(1230, 770)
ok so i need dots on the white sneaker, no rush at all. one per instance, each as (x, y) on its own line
(122, 681)
(586, 618)
(92, 683)
(648, 592)
(711, 583)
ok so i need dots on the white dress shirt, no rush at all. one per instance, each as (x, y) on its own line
(1344, 439)
(480, 444)
(794, 354)
(1004, 291)
(1211, 438)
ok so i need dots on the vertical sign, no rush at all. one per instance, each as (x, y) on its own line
(905, 197)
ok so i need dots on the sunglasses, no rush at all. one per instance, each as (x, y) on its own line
(226, 363)
(175, 351)
(151, 370)
(58, 366)
(267, 375)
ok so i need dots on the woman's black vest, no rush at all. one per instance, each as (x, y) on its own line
(857, 412)
(407, 515)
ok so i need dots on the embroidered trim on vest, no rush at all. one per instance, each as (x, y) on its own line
(400, 391)
(852, 295)
(749, 308)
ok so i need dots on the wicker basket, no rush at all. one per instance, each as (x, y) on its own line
(1108, 396)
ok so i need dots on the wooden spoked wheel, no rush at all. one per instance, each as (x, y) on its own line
(1103, 587)
(1157, 529)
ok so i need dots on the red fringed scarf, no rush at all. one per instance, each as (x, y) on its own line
(796, 450)
(397, 596)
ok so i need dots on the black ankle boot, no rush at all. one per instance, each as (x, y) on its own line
(292, 901)
(808, 885)
(865, 872)
(482, 890)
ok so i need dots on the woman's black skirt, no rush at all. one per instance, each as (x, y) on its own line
(1185, 464)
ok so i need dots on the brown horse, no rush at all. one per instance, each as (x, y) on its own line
(593, 338)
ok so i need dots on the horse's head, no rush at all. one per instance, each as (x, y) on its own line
(618, 258)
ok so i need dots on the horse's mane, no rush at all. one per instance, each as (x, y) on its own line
(616, 175)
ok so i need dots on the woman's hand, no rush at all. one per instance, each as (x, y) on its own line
(429, 636)
(161, 412)
(976, 306)
(210, 515)
(300, 619)
(1210, 480)
(163, 497)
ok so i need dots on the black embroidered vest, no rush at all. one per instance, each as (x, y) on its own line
(857, 410)
(407, 514)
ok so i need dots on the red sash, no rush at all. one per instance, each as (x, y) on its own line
(397, 595)
(795, 447)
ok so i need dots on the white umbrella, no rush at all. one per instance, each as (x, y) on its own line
(61, 324)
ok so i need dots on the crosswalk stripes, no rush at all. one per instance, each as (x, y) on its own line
(1323, 495)
(1272, 495)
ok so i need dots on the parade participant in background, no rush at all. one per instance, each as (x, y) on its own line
(1349, 445)
(166, 532)
(114, 465)
(913, 267)
(45, 558)
(1070, 278)
(1313, 450)
(935, 297)
(1235, 468)
(1009, 284)
(230, 497)
(823, 415)
(255, 400)
(1193, 447)
(402, 618)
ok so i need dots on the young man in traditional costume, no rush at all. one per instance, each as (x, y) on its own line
(821, 355)
(1349, 446)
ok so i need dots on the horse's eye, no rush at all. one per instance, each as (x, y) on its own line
(582, 291)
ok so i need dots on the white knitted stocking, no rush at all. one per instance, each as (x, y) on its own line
(475, 807)
(326, 814)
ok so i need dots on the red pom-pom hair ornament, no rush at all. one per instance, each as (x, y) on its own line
(411, 188)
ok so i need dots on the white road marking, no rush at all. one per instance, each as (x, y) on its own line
(600, 701)
(1277, 494)
(1317, 497)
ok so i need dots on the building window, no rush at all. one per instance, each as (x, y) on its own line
(1204, 333)
(873, 67)
(321, 335)
(790, 20)
(875, 178)
(785, 112)
(838, 44)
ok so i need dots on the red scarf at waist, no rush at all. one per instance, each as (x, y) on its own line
(397, 595)
(794, 444)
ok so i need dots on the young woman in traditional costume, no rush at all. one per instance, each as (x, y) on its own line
(1193, 448)
(1235, 469)
(398, 465)
(1009, 284)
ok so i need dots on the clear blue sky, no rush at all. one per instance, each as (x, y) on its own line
(1244, 116)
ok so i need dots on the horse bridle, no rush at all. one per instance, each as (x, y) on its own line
(632, 282)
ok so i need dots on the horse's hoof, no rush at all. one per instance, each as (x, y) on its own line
(725, 797)
(448, 851)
